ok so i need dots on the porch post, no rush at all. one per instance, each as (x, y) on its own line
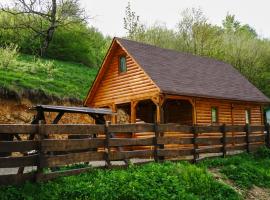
(158, 101)
(113, 107)
(133, 113)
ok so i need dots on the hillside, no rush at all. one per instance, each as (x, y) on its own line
(30, 76)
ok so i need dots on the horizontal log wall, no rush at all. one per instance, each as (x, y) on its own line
(229, 112)
(116, 86)
(192, 143)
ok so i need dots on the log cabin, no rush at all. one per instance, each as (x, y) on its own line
(144, 83)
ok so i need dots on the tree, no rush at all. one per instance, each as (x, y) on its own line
(79, 43)
(231, 25)
(196, 34)
(43, 18)
(132, 22)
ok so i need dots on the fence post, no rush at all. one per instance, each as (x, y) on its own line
(155, 142)
(267, 129)
(224, 139)
(247, 129)
(41, 136)
(195, 144)
(107, 145)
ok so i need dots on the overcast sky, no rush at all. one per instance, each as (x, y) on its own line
(108, 14)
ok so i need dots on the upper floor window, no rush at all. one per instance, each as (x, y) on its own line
(122, 64)
(247, 116)
(214, 114)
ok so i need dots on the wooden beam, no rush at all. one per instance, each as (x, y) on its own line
(58, 117)
(178, 97)
(194, 111)
(133, 116)
(113, 107)
(159, 101)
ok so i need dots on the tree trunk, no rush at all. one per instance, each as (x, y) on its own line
(50, 32)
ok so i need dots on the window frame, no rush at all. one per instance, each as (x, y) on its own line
(119, 64)
(216, 113)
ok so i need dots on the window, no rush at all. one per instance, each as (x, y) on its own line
(214, 113)
(122, 64)
(247, 116)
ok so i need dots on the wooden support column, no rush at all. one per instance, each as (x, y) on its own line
(133, 114)
(159, 101)
(194, 111)
(113, 107)
(133, 106)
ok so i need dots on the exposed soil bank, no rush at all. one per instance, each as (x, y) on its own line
(15, 109)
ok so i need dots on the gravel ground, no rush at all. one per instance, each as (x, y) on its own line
(5, 171)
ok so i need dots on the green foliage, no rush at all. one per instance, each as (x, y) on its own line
(79, 43)
(73, 42)
(151, 181)
(56, 78)
(245, 170)
(8, 56)
(132, 22)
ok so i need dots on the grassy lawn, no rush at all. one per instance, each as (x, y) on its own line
(151, 181)
(156, 181)
(57, 78)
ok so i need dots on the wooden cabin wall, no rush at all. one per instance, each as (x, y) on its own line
(239, 114)
(118, 87)
(228, 112)
(203, 111)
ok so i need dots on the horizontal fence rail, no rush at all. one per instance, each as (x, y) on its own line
(78, 144)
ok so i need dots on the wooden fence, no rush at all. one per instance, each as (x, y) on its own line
(107, 143)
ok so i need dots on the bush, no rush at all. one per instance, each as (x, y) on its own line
(80, 44)
(8, 55)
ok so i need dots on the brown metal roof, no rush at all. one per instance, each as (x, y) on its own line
(186, 74)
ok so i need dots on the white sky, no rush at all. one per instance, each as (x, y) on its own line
(108, 14)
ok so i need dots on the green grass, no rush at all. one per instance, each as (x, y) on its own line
(151, 181)
(55, 78)
(245, 170)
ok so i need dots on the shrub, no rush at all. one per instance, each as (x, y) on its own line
(8, 55)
